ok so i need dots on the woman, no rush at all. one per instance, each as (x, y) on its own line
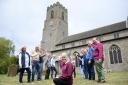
(67, 71)
(24, 64)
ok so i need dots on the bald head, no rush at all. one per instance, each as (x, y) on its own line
(90, 43)
(95, 40)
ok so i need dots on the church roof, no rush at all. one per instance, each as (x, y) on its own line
(96, 32)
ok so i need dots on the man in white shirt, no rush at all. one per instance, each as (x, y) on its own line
(35, 63)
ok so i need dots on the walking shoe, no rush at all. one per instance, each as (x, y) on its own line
(29, 81)
(103, 81)
(21, 81)
(98, 81)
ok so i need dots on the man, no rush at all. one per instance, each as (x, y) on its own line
(24, 64)
(35, 64)
(41, 61)
(99, 59)
(90, 61)
(53, 66)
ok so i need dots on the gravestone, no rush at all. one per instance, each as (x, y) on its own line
(12, 70)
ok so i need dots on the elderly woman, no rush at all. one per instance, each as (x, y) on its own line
(67, 71)
(24, 64)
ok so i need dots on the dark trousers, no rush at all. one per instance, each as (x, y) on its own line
(41, 70)
(35, 68)
(58, 81)
(47, 73)
(86, 69)
(53, 69)
(21, 72)
(74, 72)
(91, 71)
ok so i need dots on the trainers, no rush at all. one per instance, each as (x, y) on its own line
(21, 81)
(103, 81)
(98, 81)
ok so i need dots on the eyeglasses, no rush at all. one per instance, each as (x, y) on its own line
(63, 58)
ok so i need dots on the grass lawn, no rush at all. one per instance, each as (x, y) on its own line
(116, 78)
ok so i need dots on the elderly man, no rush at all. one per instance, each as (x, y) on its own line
(90, 61)
(99, 58)
(35, 63)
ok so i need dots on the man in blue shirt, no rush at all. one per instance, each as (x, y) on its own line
(90, 61)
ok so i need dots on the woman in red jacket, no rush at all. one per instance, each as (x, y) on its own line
(67, 71)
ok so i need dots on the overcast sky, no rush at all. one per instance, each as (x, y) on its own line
(23, 20)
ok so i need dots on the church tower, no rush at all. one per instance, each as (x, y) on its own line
(55, 26)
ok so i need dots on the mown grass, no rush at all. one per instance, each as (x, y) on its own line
(114, 78)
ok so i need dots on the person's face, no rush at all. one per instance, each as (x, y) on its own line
(37, 49)
(85, 51)
(64, 59)
(82, 52)
(89, 44)
(94, 40)
(24, 49)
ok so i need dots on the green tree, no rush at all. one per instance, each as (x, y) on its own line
(6, 48)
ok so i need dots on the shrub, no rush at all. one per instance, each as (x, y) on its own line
(5, 63)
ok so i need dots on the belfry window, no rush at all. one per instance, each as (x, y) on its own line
(52, 14)
(62, 16)
(115, 54)
(116, 35)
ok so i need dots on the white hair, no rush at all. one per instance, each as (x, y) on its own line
(90, 42)
(64, 54)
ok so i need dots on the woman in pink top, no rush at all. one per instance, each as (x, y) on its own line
(67, 71)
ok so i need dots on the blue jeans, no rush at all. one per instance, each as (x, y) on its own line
(82, 71)
(35, 68)
(41, 70)
(86, 69)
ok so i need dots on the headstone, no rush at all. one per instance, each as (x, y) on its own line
(12, 70)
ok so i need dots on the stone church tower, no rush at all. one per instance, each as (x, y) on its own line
(55, 26)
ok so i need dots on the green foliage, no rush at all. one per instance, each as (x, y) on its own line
(6, 48)
(5, 63)
(6, 58)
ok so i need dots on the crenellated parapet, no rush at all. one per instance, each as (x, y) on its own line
(55, 5)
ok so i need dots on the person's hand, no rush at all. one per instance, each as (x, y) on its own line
(58, 58)
(100, 60)
(89, 62)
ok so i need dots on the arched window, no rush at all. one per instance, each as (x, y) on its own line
(115, 54)
(62, 16)
(52, 14)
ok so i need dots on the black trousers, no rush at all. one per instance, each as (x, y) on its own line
(53, 69)
(21, 72)
(47, 73)
(58, 81)
(91, 71)
(74, 72)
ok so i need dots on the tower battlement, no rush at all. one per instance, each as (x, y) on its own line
(55, 5)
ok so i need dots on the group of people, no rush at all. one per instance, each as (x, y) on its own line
(33, 64)
(90, 56)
